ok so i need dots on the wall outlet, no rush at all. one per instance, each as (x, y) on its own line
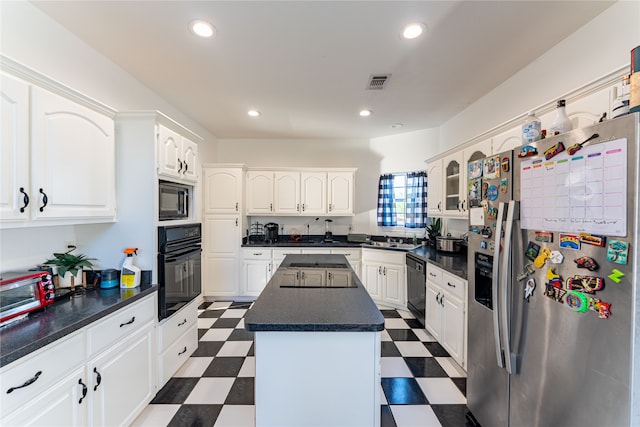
(69, 244)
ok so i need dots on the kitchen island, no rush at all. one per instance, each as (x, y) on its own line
(317, 346)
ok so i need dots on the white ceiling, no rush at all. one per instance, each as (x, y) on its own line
(305, 64)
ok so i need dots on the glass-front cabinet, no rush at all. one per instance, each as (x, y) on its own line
(453, 180)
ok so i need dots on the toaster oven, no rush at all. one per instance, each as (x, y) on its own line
(24, 292)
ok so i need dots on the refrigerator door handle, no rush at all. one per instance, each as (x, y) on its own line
(494, 287)
(505, 277)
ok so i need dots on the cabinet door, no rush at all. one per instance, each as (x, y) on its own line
(259, 193)
(453, 184)
(221, 254)
(189, 158)
(15, 190)
(341, 193)
(169, 153)
(73, 158)
(433, 315)
(122, 380)
(371, 274)
(287, 193)
(313, 277)
(453, 326)
(477, 151)
(314, 193)
(222, 190)
(434, 194)
(63, 404)
(340, 277)
(256, 275)
(508, 140)
(394, 279)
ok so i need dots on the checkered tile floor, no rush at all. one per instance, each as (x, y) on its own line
(421, 384)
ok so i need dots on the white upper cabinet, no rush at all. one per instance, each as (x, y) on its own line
(223, 190)
(73, 158)
(508, 140)
(260, 192)
(177, 156)
(314, 193)
(300, 192)
(15, 190)
(287, 192)
(341, 193)
(454, 184)
(435, 206)
(57, 157)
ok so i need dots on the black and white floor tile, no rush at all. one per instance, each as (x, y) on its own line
(421, 384)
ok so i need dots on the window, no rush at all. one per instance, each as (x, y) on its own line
(402, 200)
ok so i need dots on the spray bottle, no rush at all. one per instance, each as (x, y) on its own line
(130, 275)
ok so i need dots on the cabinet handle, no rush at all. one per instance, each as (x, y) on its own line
(84, 390)
(236, 206)
(25, 199)
(330, 207)
(129, 322)
(184, 350)
(298, 207)
(379, 269)
(384, 270)
(463, 209)
(439, 203)
(431, 274)
(270, 207)
(186, 167)
(183, 322)
(180, 166)
(27, 383)
(45, 200)
(236, 222)
(98, 378)
(257, 253)
(303, 207)
(449, 284)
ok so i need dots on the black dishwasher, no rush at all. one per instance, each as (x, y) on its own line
(416, 286)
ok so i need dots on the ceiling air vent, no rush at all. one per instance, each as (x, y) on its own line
(378, 81)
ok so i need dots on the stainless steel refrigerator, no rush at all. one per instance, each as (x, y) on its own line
(554, 304)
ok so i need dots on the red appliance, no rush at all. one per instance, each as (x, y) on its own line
(23, 292)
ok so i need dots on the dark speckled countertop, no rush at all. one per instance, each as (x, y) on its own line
(451, 262)
(63, 317)
(348, 309)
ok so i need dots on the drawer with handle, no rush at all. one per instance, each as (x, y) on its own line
(120, 324)
(32, 375)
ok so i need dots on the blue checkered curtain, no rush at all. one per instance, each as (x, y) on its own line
(416, 201)
(386, 208)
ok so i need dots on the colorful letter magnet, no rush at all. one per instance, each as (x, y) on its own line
(553, 151)
(593, 239)
(616, 275)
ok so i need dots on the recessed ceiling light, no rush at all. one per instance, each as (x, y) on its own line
(365, 113)
(253, 113)
(413, 30)
(202, 28)
(397, 125)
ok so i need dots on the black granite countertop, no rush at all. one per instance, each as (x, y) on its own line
(348, 309)
(453, 263)
(63, 317)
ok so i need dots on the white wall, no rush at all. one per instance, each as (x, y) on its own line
(595, 50)
(33, 39)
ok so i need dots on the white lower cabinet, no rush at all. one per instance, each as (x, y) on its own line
(177, 340)
(446, 311)
(384, 276)
(256, 270)
(102, 375)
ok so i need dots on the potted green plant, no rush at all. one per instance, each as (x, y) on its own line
(433, 231)
(67, 262)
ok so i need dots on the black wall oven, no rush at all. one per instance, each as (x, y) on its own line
(416, 286)
(179, 267)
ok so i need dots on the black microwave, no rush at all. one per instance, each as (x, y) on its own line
(173, 201)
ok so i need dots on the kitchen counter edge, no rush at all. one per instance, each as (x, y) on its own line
(41, 328)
